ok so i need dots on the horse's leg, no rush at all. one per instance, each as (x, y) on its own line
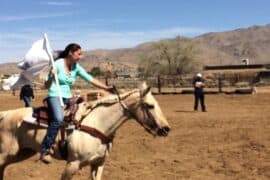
(2, 170)
(96, 171)
(4, 161)
(2, 165)
(97, 168)
(70, 169)
(8, 148)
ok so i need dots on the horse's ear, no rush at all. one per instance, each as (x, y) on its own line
(145, 91)
(144, 85)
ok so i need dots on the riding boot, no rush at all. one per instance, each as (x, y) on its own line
(46, 158)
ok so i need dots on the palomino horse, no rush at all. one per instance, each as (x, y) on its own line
(83, 148)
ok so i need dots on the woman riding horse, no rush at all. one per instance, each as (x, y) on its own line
(66, 70)
(84, 149)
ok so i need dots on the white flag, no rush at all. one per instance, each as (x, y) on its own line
(9, 82)
(35, 61)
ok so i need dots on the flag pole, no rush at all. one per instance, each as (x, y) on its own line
(48, 49)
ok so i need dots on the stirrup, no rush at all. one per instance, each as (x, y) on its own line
(63, 148)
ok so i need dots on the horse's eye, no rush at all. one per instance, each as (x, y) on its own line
(150, 106)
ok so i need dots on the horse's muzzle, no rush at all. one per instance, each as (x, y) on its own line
(163, 131)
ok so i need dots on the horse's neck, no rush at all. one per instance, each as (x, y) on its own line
(106, 119)
(109, 119)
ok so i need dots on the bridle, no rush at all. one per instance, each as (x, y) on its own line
(148, 117)
(123, 105)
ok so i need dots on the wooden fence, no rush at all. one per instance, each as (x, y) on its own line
(176, 84)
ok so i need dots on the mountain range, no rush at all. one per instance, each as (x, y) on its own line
(215, 48)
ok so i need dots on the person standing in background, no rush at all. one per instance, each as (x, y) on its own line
(27, 94)
(198, 83)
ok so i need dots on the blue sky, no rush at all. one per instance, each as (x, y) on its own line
(120, 23)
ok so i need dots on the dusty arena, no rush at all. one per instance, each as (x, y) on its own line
(230, 141)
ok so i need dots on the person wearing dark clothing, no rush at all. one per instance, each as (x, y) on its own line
(198, 83)
(26, 94)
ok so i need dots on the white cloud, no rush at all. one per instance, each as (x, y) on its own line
(55, 3)
(31, 17)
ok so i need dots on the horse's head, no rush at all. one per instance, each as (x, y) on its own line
(139, 104)
(148, 113)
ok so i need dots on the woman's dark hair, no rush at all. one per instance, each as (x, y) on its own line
(69, 48)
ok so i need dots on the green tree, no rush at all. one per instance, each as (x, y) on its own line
(96, 71)
(108, 74)
(177, 56)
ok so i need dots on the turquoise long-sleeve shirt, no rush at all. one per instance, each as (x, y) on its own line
(66, 81)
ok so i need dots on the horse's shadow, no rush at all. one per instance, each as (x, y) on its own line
(23, 155)
(184, 111)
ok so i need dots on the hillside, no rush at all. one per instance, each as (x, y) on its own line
(9, 68)
(216, 48)
(252, 43)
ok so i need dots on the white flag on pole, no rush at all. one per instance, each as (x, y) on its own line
(49, 53)
(35, 61)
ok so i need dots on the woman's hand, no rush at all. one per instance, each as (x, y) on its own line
(110, 89)
(101, 85)
(52, 74)
(53, 71)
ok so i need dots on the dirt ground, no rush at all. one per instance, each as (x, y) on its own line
(230, 141)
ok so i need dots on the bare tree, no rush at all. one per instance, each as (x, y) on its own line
(171, 57)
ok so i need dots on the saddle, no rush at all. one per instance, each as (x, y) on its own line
(43, 115)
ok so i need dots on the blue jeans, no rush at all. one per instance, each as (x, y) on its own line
(56, 113)
(27, 101)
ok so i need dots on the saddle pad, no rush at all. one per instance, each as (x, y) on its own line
(32, 120)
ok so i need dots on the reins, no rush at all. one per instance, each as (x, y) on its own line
(124, 106)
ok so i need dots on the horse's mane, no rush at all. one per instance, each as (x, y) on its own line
(112, 98)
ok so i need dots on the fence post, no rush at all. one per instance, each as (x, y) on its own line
(159, 84)
(106, 81)
(219, 84)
